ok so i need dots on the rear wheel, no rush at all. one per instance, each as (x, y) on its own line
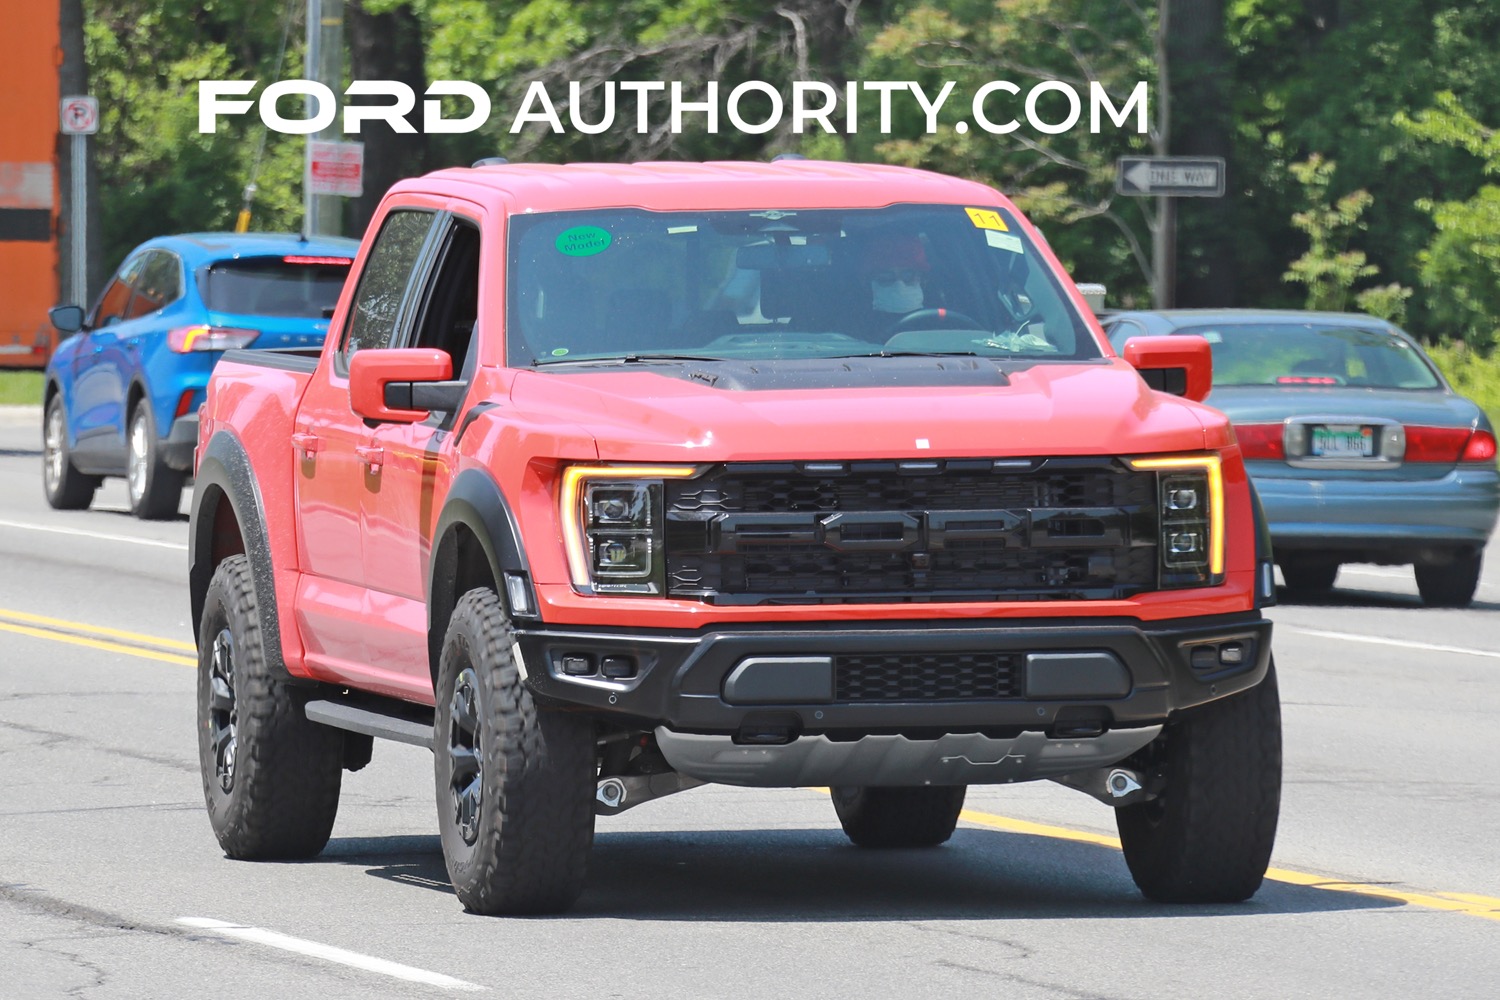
(1450, 584)
(270, 776)
(1207, 837)
(1309, 575)
(515, 783)
(155, 490)
(899, 817)
(65, 486)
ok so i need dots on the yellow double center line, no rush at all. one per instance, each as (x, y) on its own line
(155, 648)
(110, 640)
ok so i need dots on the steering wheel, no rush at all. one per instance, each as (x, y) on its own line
(936, 319)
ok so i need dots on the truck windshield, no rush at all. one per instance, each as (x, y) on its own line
(274, 286)
(629, 284)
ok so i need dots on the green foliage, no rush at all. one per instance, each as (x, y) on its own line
(1472, 374)
(1461, 264)
(20, 388)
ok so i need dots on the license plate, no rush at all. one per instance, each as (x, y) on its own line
(1343, 441)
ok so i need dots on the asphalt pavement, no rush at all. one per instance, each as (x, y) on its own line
(1385, 881)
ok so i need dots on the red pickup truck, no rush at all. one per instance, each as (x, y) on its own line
(612, 480)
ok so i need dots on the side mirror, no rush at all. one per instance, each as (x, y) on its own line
(67, 319)
(402, 386)
(1182, 366)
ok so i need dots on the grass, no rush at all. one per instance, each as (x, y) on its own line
(1476, 376)
(20, 388)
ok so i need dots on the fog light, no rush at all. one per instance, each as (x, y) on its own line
(1205, 657)
(1231, 653)
(618, 666)
(578, 664)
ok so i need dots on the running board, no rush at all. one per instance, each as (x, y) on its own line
(387, 718)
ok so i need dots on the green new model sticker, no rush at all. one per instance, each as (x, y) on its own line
(583, 241)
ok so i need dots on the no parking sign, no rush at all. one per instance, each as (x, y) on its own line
(80, 115)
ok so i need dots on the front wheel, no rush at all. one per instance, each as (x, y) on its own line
(1207, 837)
(515, 782)
(155, 489)
(65, 486)
(922, 816)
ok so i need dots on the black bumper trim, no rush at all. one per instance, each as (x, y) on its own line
(681, 676)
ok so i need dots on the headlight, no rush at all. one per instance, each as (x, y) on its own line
(612, 519)
(1191, 518)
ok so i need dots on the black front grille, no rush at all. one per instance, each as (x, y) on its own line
(1058, 529)
(926, 677)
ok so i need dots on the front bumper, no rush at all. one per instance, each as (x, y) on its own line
(774, 684)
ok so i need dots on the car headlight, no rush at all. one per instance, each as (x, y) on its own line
(1190, 489)
(613, 526)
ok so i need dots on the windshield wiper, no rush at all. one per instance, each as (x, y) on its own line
(625, 359)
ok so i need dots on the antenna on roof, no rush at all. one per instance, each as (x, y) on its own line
(787, 156)
(491, 161)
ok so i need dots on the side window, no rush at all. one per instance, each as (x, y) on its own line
(382, 286)
(112, 304)
(451, 305)
(159, 285)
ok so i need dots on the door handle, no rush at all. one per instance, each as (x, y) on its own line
(307, 444)
(372, 456)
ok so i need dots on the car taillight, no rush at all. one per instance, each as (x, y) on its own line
(1436, 444)
(1261, 440)
(1481, 448)
(209, 338)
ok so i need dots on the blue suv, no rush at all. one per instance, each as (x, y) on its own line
(123, 390)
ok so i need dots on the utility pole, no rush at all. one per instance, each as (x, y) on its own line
(322, 213)
(1164, 246)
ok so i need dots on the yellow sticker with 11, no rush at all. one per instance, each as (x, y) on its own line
(986, 218)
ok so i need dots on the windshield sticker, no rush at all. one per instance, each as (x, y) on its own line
(986, 218)
(558, 352)
(1005, 241)
(1212, 336)
(583, 241)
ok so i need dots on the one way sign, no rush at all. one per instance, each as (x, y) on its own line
(1177, 176)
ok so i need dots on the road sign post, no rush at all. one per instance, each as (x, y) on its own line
(1167, 178)
(79, 117)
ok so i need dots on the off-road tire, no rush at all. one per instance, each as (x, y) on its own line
(899, 817)
(284, 771)
(1309, 576)
(66, 488)
(517, 834)
(1450, 584)
(1207, 837)
(154, 489)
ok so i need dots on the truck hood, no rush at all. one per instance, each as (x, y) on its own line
(955, 407)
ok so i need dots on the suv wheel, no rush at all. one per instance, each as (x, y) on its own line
(899, 817)
(270, 777)
(1207, 837)
(515, 783)
(155, 490)
(65, 486)
(1450, 584)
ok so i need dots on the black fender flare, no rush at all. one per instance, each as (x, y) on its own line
(225, 476)
(1263, 553)
(476, 502)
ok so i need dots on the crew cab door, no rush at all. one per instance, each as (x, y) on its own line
(331, 448)
(96, 409)
(417, 459)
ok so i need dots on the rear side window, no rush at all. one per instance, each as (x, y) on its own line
(159, 285)
(274, 286)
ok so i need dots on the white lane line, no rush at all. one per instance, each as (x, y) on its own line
(101, 536)
(328, 953)
(1381, 641)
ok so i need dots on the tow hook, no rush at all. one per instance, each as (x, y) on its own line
(618, 793)
(1114, 786)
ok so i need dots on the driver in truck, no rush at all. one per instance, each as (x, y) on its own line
(896, 269)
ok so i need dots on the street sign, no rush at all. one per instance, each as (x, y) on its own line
(336, 168)
(80, 115)
(1175, 176)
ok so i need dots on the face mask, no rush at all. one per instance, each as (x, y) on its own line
(897, 297)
